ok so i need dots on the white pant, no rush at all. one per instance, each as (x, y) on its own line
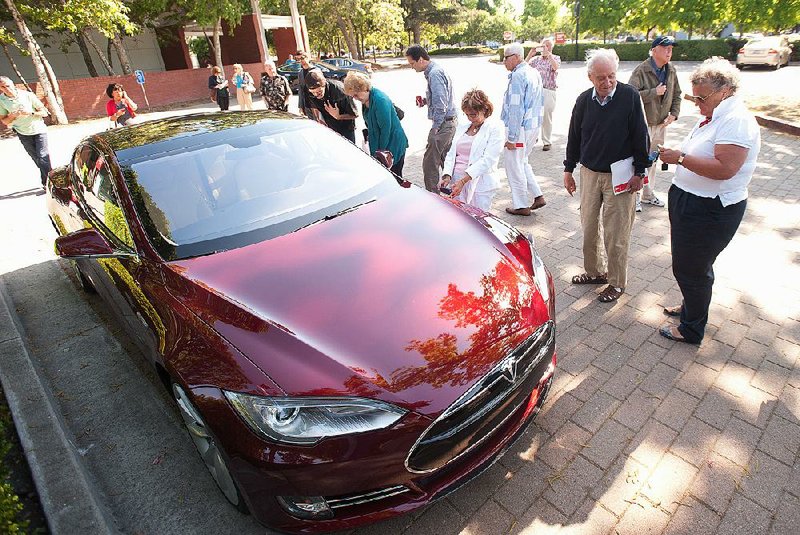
(480, 199)
(547, 120)
(520, 173)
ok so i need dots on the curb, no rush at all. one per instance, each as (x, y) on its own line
(68, 497)
(778, 124)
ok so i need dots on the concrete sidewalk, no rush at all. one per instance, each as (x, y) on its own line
(639, 435)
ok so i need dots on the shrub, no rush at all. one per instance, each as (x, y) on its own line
(455, 51)
(695, 50)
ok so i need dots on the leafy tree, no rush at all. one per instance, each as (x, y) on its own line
(602, 16)
(44, 71)
(421, 12)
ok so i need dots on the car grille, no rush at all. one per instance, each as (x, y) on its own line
(485, 406)
(367, 497)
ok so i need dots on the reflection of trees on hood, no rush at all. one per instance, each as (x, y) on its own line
(500, 319)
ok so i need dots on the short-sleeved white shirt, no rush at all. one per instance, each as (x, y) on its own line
(731, 124)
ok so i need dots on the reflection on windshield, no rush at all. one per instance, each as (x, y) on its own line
(229, 189)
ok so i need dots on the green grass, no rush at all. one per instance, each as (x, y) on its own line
(10, 505)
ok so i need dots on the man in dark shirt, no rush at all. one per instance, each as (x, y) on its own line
(607, 126)
(331, 106)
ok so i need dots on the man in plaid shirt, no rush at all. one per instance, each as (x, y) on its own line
(523, 106)
(547, 64)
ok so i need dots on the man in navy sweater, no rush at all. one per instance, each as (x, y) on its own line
(607, 125)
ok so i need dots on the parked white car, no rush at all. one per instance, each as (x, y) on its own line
(773, 51)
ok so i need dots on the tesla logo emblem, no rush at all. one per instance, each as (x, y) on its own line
(509, 370)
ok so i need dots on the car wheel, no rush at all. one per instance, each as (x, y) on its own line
(740, 66)
(84, 281)
(208, 449)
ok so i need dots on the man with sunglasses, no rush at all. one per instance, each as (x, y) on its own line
(523, 108)
(657, 82)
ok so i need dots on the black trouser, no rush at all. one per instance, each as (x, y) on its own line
(223, 99)
(700, 229)
(36, 147)
(397, 166)
(351, 135)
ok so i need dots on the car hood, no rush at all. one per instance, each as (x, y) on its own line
(407, 299)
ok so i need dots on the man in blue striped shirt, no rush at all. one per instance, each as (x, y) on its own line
(523, 107)
(441, 110)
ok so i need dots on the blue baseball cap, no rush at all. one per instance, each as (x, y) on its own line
(664, 40)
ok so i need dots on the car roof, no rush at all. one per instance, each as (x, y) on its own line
(161, 135)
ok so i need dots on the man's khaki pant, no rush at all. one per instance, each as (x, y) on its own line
(547, 119)
(597, 198)
(658, 133)
(435, 152)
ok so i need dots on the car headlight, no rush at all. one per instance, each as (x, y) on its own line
(309, 420)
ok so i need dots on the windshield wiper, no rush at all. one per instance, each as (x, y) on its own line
(337, 214)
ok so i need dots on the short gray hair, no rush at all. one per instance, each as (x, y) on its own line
(514, 49)
(716, 72)
(6, 80)
(608, 55)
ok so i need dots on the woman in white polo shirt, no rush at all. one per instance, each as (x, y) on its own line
(708, 195)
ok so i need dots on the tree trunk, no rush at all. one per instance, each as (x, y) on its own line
(16, 69)
(87, 57)
(119, 48)
(217, 47)
(348, 35)
(109, 68)
(416, 30)
(52, 99)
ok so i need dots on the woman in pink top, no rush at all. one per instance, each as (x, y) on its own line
(469, 172)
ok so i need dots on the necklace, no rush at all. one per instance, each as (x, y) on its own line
(473, 129)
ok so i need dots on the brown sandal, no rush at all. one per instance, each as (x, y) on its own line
(609, 294)
(585, 278)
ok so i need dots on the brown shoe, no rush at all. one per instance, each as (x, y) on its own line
(519, 211)
(546, 147)
(538, 202)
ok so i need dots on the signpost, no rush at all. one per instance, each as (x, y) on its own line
(140, 80)
(561, 38)
(508, 35)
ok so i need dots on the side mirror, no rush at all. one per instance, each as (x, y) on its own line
(385, 157)
(59, 178)
(85, 243)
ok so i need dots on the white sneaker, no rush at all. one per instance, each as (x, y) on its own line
(638, 203)
(655, 201)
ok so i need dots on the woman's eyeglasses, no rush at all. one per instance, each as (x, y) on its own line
(697, 99)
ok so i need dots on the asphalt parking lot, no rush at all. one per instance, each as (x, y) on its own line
(639, 435)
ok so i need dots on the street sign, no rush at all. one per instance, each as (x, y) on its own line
(508, 35)
(140, 80)
(561, 38)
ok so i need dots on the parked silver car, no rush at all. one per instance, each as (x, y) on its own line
(773, 51)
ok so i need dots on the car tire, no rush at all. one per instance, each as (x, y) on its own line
(209, 451)
(83, 281)
(740, 66)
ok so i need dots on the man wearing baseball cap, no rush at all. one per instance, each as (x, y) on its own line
(657, 82)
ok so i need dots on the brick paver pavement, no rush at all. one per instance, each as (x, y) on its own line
(641, 434)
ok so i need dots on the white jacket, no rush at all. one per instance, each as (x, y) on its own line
(483, 156)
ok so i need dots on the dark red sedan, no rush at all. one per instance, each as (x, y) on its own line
(344, 347)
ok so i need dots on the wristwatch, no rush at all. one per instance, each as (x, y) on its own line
(681, 157)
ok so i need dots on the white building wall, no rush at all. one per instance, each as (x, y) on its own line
(67, 60)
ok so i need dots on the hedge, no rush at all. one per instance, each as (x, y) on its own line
(694, 50)
(455, 51)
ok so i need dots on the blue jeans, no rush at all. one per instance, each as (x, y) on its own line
(36, 147)
(700, 229)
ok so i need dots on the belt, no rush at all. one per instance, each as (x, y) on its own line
(451, 118)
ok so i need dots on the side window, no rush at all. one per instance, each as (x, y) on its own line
(100, 196)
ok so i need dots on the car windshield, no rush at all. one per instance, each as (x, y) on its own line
(231, 188)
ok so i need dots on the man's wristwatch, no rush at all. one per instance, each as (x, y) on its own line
(681, 157)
